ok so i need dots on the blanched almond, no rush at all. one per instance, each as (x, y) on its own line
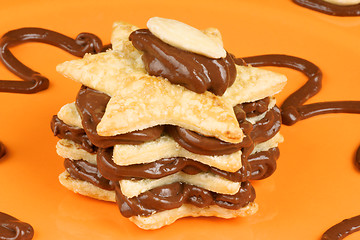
(185, 37)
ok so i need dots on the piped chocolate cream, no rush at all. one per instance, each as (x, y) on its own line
(85, 171)
(13, 229)
(75, 134)
(174, 195)
(193, 71)
(330, 8)
(258, 166)
(92, 104)
(161, 168)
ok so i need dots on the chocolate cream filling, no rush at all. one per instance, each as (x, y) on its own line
(85, 171)
(162, 198)
(258, 166)
(91, 105)
(75, 134)
(196, 72)
(174, 195)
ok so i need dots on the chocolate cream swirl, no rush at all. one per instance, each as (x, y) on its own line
(33, 80)
(257, 166)
(91, 105)
(174, 195)
(330, 8)
(85, 171)
(193, 71)
(14, 229)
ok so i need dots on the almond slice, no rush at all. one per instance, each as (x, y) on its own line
(185, 37)
(343, 2)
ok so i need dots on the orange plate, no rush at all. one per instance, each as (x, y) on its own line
(315, 185)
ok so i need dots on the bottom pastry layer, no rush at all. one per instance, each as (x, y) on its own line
(159, 219)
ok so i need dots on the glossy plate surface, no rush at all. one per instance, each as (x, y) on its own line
(315, 185)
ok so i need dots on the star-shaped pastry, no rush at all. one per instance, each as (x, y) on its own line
(139, 101)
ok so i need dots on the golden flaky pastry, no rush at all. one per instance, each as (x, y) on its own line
(167, 217)
(86, 188)
(140, 101)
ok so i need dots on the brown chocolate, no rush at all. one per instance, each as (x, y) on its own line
(263, 164)
(267, 127)
(2, 150)
(293, 110)
(75, 134)
(330, 8)
(14, 229)
(162, 168)
(85, 171)
(256, 108)
(91, 105)
(261, 131)
(193, 71)
(34, 81)
(200, 144)
(174, 195)
(342, 229)
(257, 166)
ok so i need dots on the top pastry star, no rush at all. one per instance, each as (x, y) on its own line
(139, 101)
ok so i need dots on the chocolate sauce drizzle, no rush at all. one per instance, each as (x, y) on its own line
(342, 229)
(34, 81)
(13, 229)
(293, 110)
(330, 8)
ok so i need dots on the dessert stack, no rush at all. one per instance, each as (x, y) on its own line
(169, 125)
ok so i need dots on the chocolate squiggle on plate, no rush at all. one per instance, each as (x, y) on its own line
(33, 80)
(342, 229)
(330, 8)
(14, 229)
(293, 110)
